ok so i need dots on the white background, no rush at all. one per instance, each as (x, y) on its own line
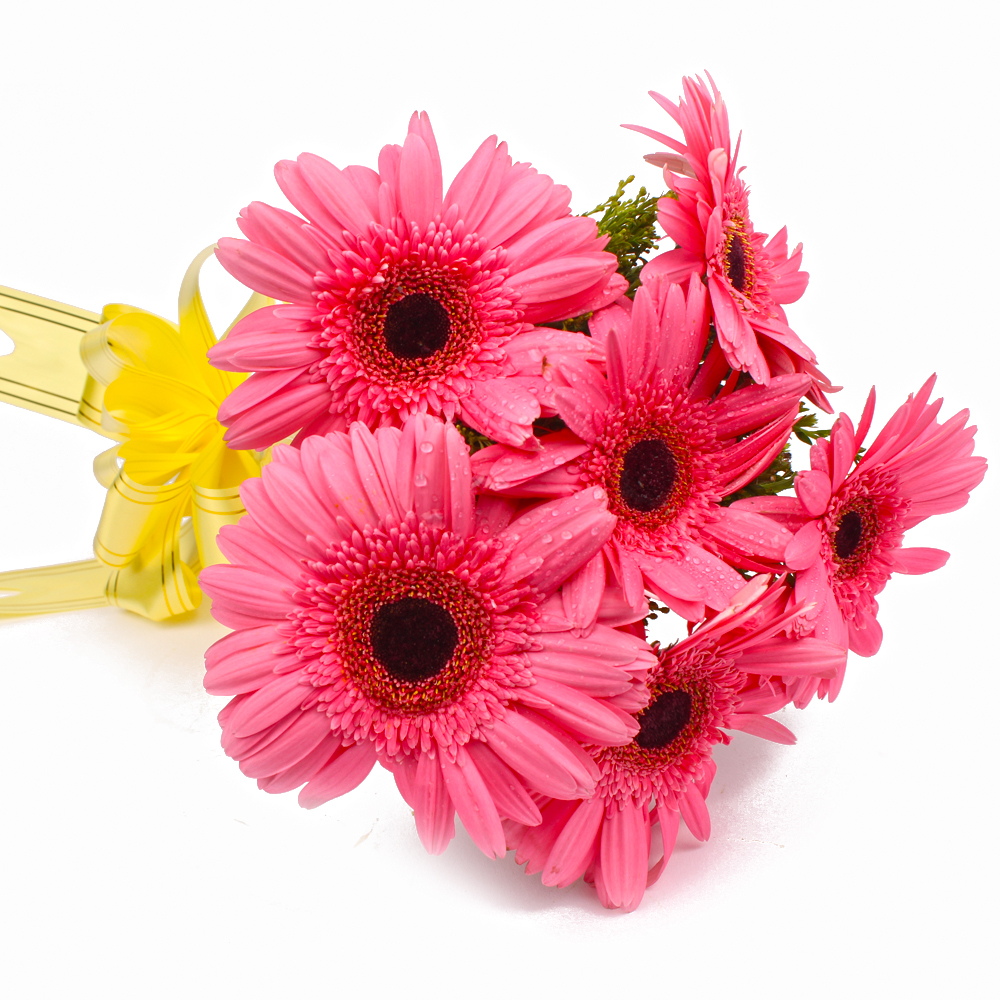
(138, 862)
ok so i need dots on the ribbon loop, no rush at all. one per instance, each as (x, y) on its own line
(172, 481)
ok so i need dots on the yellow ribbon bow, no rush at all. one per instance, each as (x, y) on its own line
(172, 481)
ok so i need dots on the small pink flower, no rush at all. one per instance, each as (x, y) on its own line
(749, 277)
(849, 524)
(721, 677)
(404, 298)
(381, 616)
(667, 442)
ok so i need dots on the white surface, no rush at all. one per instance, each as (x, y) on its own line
(138, 862)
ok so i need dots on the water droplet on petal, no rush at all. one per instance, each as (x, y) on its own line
(567, 535)
(546, 539)
(420, 480)
(426, 447)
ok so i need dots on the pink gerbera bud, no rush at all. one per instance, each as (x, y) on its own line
(404, 298)
(379, 616)
(666, 443)
(726, 675)
(849, 523)
(749, 277)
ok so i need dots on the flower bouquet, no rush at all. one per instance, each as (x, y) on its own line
(459, 452)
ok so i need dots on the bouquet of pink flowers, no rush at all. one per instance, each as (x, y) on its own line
(497, 440)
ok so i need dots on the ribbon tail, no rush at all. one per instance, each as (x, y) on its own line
(44, 373)
(146, 539)
(67, 587)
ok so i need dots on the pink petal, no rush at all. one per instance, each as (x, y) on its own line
(781, 657)
(695, 812)
(866, 637)
(512, 801)
(588, 719)
(303, 770)
(536, 755)
(674, 265)
(248, 594)
(243, 660)
(559, 278)
(475, 808)
(300, 739)
(419, 183)
(555, 539)
(813, 489)
(554, 239)
(915, 561)
(500, 410)
(624, 855)
(265, 271)
(476, 185)
(345, 772)
(762, 726)
(328, 462)
(803, 549)
(284, 233)
(433, 808)
(284, 694)
(670, 821)
(574, 848)
(535, 843)
(377, 480)
(583, 591)
(271, 405)
(264, 341)
(749, 533)
(522, 194)
(338, 195)
(609, 287)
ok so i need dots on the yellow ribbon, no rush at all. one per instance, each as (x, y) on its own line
(172, 481)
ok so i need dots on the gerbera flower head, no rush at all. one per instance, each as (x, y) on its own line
(849, 523)
(667, 443)
(722, 677)
(403, 298)
(749, 277)
(380, 616)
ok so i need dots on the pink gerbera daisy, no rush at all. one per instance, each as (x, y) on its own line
(749, 277)
(380, 616)
(666, 443)
(404, 299)
(850, 524)
(720, 677)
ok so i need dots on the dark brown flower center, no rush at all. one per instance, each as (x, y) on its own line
(736, 263)
(413, 638)
(848, 536)
(648, 474)
(662, 722)
(416, 326)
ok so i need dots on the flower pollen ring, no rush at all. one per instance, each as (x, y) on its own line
(413, 640)
(419, 324)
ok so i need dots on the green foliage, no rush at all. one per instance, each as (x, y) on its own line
(805, 427)
(473, 439)
(631, 225)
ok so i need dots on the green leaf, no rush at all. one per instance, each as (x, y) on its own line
(805, 427)
(631, 225)
(473, 439)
